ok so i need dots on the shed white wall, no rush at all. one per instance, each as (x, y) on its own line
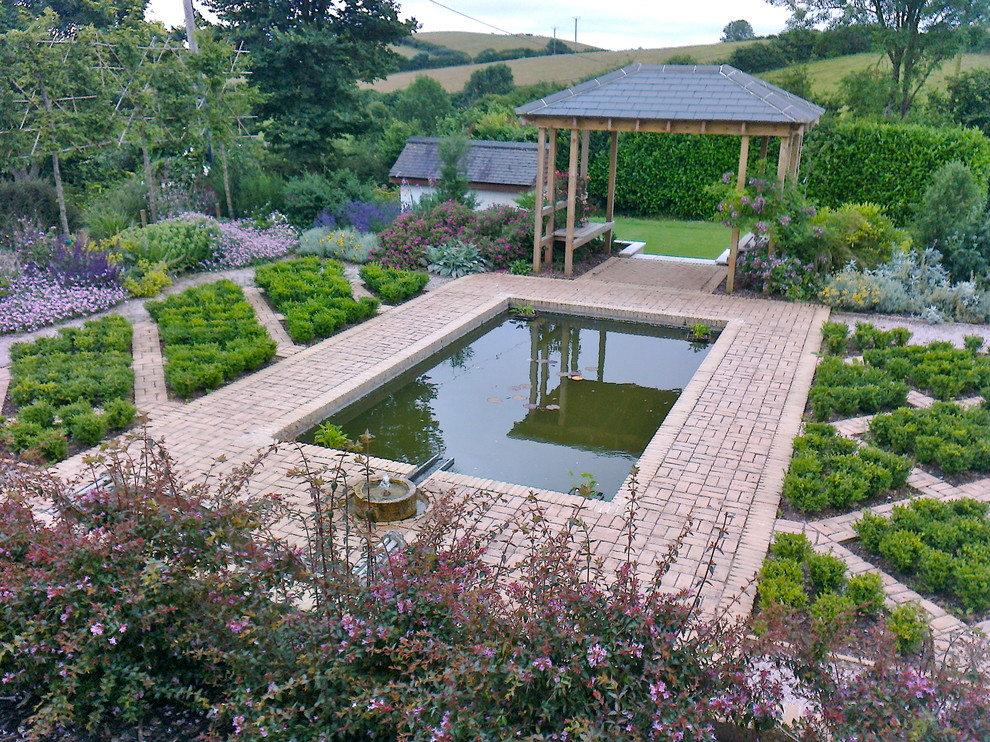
(411, 194)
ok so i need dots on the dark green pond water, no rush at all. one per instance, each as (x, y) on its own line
(536, 403)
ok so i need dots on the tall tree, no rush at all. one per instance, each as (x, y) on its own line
(306, 58)
(71, 13)
(915, 35)
(737, 31)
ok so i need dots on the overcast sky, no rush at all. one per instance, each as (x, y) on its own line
(614, 24)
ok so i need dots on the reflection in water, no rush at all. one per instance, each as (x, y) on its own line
(531, 402)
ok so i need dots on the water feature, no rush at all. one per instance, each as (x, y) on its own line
(554, 402)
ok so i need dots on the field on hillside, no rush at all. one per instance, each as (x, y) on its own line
(473, 43)
(564, 68)
(826, 74)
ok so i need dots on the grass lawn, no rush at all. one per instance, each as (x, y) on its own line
(672, 237)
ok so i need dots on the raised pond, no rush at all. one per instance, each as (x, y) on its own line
(550, 403)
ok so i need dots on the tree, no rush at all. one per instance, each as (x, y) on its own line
(915, 35)
(306, 58)
(495, 79)
(966, 99)
(72, 13)
(453, 183)
(424, 103)
(737, 31)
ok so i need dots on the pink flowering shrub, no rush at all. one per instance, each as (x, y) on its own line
(776, 275)
(503, 234)
(242, 242)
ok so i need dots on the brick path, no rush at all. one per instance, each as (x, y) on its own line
(667, 274)
(284, 347)
(721, 453)
(4, 383)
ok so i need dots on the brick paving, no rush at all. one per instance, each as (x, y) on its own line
(150, 393)
(659, 273)
(284, 347)
(4, 383)
(719, 459)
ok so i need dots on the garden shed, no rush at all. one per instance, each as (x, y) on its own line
(673, 99)
(497, 172)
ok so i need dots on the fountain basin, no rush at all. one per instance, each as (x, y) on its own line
(397, 501)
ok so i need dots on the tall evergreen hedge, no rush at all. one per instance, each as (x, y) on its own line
(666, 174)
(886, 163)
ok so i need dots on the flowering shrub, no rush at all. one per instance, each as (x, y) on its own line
(36, 298)
(911, 282)
(339, 244)
(775, 275)
(243, 242)
(128, 604)
(502, 234)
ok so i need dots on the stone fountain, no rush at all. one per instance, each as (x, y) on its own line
(387, 498)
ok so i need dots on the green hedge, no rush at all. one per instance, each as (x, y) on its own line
(314, 295)
(886, 163)
(666, 174)
(938, 368)
(210, 336)
(956, 439)
(56, 382)
(392, 284)
(848, 389)
(943, 546)
(828, 470)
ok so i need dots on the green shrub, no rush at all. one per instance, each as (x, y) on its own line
(973, 343)
(119, 413)
(936, 570)
(827, 573)
(829, 470)
(179, 244)
(392, 284)
(30, 198)
(782, 591)
(782, 569)
(865, 592)
(861, 232)
(938, 368)
(520, 267)
(88, 429)
(901, 548)
(956, 439)
(332, 436)
(861, 161)
(847, 389)
(314, 295)
(835, 336)
(794, 546)
(831, 609)
(147, 279)
(210, 336)
(57, 379)
(909, 624)
(310, 241)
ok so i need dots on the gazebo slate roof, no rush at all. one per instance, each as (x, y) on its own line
(677, 93)
(486, 162)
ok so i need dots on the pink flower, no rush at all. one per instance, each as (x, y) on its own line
(96, 629)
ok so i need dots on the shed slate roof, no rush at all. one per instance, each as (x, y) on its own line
(486, 163)
(677, 93)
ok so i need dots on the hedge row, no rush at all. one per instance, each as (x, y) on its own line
(828, 470)
(392, 284)
(57, 382)
(210, 336)
(938, 368)
(314, 295)
(890, 164)
(944, 546)
(848, 389)
(956, 439)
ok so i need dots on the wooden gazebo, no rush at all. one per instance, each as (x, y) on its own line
(671, 99)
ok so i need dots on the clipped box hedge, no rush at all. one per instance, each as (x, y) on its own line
(314, 295)
(955, 439)
(847, 389)
(886, 163)
(938, 368)
(393, 285)
(76, 385)
(209, 335)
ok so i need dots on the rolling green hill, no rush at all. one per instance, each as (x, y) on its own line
(473, 43)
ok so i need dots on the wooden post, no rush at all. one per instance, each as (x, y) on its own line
(613, 152)
(541, 161)
(796, 154)
(572, 175)
(730, 281)
(552, 190)
(226, 180)
(149, 178)
(585, 146)
(764, 145)
(783, 159)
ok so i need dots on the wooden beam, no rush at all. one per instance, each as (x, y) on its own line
(541, 161)
(613, 157)
(572, 175)
(552, 190)
(670, 126)
(730, 281)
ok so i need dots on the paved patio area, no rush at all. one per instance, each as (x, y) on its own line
(718, 460)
